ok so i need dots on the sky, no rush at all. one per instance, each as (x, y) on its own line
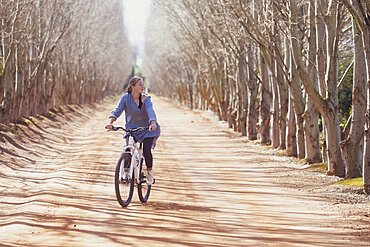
(136, 13)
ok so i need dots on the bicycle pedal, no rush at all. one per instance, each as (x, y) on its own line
(125, 180)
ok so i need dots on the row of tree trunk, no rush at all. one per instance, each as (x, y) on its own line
(55, 52)
(271, 69)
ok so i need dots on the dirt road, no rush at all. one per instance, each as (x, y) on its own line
(212, 189)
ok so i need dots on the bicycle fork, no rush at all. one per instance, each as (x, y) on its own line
(136, 163)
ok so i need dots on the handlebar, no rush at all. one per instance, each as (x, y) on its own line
(129, 130)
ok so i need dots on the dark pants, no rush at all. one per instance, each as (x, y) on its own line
(147, 151)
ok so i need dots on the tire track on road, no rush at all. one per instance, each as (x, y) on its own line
(212, 189)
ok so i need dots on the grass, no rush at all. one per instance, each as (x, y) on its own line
(319, 167)
(280, 152)
(352, 182)
(25, 121)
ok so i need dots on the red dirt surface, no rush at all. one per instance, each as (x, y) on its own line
(213, 188)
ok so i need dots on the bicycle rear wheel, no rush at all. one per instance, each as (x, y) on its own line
(143, 189)
(124, 187)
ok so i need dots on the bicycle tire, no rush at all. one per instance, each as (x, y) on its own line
(124, 189)
(143, 189)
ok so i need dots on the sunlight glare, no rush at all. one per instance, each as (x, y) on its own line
(135, 17)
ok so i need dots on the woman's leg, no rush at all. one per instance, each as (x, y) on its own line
(147, 151)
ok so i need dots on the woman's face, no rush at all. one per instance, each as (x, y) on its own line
(139, 87)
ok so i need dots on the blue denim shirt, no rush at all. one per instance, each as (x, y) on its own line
(137, 117)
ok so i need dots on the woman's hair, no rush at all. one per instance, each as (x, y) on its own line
(133, 82)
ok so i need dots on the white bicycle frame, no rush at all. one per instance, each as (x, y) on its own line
(136, 158)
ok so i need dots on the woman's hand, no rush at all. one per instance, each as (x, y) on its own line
(153, 126)
(109, 126)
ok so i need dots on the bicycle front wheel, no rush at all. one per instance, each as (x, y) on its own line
(124, 183)
(143, 189)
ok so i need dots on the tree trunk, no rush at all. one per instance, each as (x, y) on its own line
(283, 92)
(312, 134)
(352, 147)
(298, 104)
(233, 100)
(328, 107)
(311, 127)
(20, 77)
(275, 114)
(283, 101)
(295, 82)
(321, 65)
(253, 90)
(191, 94)
(336, 163)
(292, 131)
(7, 76)
(366, 164)
(291, 139)
(7, 80)
(3, 54)
(265, 104)
(243, 91)
(321, 48)
(283, 116)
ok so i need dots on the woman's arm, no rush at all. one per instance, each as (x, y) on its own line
(120, 107)
(151, 114)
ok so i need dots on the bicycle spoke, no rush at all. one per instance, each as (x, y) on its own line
(124, 187)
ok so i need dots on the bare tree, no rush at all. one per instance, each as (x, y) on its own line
(327, 106)
(50, 54)
(360, 11)
(352, 147)
(249, 59)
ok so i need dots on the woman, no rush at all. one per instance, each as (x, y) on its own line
(139, 113)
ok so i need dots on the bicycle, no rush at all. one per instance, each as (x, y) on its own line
(129, 170)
